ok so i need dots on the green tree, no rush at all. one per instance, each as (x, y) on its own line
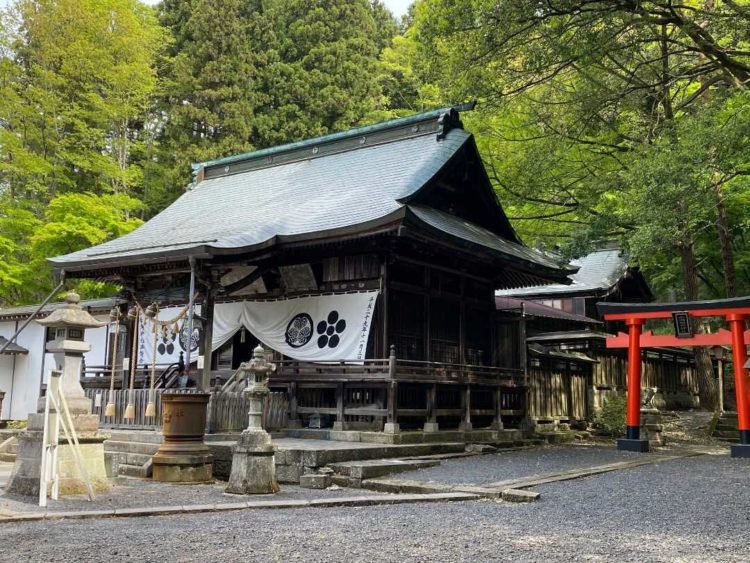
(598, 116)
(77, 77)
(71, 222)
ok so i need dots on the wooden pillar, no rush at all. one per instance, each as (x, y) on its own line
(391, 424)
(207, 312)
(294, 421)
(384, 302)
(633, 440)
(339, 424)
(431, 423)
(569, 390)
(461, 326)
(497, 403)
(741, 384)
(465, 424)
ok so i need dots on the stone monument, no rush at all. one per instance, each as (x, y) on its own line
(253, 466)
(69, 323)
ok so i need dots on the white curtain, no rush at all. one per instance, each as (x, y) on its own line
(316, 328)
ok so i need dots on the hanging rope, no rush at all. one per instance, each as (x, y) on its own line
(152, 312)
(134, 314)
(115, 316)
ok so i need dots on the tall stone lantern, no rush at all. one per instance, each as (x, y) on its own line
(253, 467)
(69, 323)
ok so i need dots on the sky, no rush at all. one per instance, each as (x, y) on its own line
(398, 7)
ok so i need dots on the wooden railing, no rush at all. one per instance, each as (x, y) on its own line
(227, 412)
(393, 369)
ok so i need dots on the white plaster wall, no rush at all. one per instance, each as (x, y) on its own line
(28, 371)
(97, 337)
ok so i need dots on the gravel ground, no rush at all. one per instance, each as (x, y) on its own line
(131, 493)
(515, 464)
(697, 509)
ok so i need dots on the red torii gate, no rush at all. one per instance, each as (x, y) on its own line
(736, 311)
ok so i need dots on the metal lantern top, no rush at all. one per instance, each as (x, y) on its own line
(71, 315)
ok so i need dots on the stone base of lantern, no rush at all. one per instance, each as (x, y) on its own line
(253, 467)
(24, 479)
(176, 463)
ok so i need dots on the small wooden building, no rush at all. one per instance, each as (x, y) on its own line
(403, 211)
(570, 372)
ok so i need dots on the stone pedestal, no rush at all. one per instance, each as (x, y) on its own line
(430, 427)
(24, 479)
(253, 467)
(392, 428)
(184, 456)
(652, 428)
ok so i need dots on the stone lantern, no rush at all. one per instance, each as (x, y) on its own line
(253, 468)
(69, 323)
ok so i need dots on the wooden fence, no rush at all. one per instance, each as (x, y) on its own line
(227, 412)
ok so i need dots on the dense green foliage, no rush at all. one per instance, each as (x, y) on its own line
(105, 103)
(611, 417)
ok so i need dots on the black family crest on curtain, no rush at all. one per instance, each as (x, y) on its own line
(330, 330)
(299, 331)
(194, 338)
(166, 342)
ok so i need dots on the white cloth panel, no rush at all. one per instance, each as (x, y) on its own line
(317, 328)
(168, 344)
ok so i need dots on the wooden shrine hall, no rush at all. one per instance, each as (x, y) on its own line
(366, 260)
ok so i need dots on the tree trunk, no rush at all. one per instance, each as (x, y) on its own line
(707, 388)
(725, 242)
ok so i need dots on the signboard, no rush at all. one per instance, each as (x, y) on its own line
(682, 325)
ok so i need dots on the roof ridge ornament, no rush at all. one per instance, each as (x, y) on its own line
(449, 120)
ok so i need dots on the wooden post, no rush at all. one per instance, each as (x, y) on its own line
(741, 384)
(339, 424)
(294, 421)
(384, 300)
(431, 423)
(391, 425)
(465, 424)
(208, 334)
(633, 440)
(497, 400)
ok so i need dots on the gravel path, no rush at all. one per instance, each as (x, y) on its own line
(515, 464)
(697, 509)
(132, 493)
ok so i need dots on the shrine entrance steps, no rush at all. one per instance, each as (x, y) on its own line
(726, 428)
(128, 452)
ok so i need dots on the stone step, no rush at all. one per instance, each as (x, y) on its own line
(366, 469)
(142, 436)
(127, 470)
(130, 459)
(8, 457)
(116, 446)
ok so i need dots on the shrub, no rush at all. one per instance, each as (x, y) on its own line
(611, 418)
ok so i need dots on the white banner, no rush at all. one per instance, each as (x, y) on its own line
(318, 328)
(168, 343)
